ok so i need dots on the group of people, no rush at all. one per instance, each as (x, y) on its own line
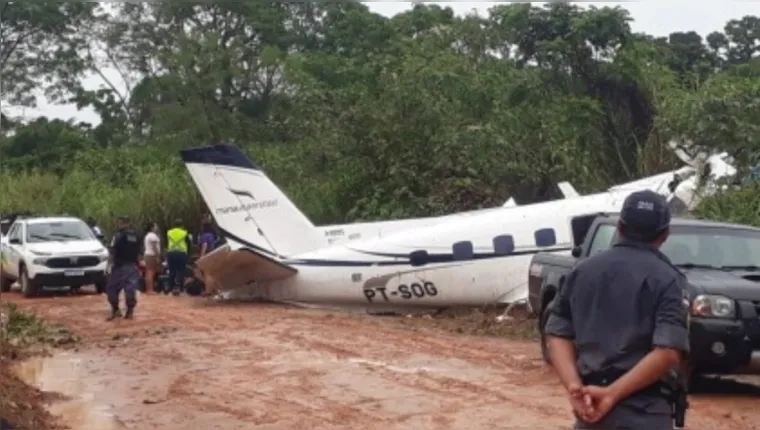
(129, 250)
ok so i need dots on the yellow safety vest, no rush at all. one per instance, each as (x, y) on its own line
(176, 240)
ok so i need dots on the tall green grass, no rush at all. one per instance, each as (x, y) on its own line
(147, 183)
(105, 185)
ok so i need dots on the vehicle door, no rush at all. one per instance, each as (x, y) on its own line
(14, 249)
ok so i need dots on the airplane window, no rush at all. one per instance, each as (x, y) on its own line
(463, 251)
(503, 245)
(418, 258)
(545, 237)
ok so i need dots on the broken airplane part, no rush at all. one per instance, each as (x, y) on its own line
(470, 260)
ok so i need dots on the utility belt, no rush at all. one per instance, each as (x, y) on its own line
(118, 262)
(674, 393)
(604, 379)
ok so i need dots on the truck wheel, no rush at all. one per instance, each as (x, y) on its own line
(28, 286)
(544, 345)
(100, 287)
(5, 284)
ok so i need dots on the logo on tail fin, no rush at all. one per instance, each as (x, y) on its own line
(255, 205)
(241, 193)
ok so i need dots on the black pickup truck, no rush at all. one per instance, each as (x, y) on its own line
(722, 265)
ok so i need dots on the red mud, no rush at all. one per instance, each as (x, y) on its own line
(187, 362)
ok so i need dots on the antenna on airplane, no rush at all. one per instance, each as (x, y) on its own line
(568, 190)
(511, 203)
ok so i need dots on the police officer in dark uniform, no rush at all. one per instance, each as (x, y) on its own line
(619, 325)
(125, 251)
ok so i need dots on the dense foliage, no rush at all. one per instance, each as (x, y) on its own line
(359, 116)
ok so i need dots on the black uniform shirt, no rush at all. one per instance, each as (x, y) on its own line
(619, 304)
(125, 247)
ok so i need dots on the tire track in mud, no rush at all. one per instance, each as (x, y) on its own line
(285, 395)
(459, 393)
(509, 357)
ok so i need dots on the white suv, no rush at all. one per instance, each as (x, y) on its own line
(52, 252)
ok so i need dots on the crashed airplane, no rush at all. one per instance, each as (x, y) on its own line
(470, 259)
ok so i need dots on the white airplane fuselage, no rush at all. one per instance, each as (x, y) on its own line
(468, 259)
(342, 233)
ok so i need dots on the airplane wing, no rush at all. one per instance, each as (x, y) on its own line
(225, 268)
(656, 183)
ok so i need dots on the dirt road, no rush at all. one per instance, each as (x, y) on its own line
(185, 361)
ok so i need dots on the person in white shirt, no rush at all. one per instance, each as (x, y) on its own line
(95, 229)
(151, 256)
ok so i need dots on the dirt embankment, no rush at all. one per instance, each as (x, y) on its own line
(21, 406)
(186, 361)
(23, 335)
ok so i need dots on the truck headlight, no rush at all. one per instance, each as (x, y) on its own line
(713, 306)
(102, 255)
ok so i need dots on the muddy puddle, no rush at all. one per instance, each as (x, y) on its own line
(63, 374)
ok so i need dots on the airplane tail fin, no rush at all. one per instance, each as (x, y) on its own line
(247, 206)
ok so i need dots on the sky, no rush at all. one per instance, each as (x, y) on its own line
(658, 18)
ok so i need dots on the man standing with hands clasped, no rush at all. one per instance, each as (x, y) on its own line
(619, 325)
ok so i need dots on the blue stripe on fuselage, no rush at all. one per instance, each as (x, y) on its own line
(400, 259)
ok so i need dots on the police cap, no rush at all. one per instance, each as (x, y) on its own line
(645, 214)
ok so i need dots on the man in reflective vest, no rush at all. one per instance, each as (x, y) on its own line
(178, 244)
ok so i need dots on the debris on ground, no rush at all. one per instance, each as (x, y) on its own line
(477, 321)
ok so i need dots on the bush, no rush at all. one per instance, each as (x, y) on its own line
(148, 183)
(105, 185)
(741, 206)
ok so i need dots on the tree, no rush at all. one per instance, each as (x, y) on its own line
(39, 47)
(740, 41)
(359, 116)
(45, 144)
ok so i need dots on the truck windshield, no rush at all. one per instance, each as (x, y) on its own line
(62, 231)
(699, 246)
(714, 247)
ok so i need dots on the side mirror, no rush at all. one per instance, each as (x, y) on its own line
(14, 241)
(576, 252)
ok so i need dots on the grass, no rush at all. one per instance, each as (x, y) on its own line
(20, 329)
